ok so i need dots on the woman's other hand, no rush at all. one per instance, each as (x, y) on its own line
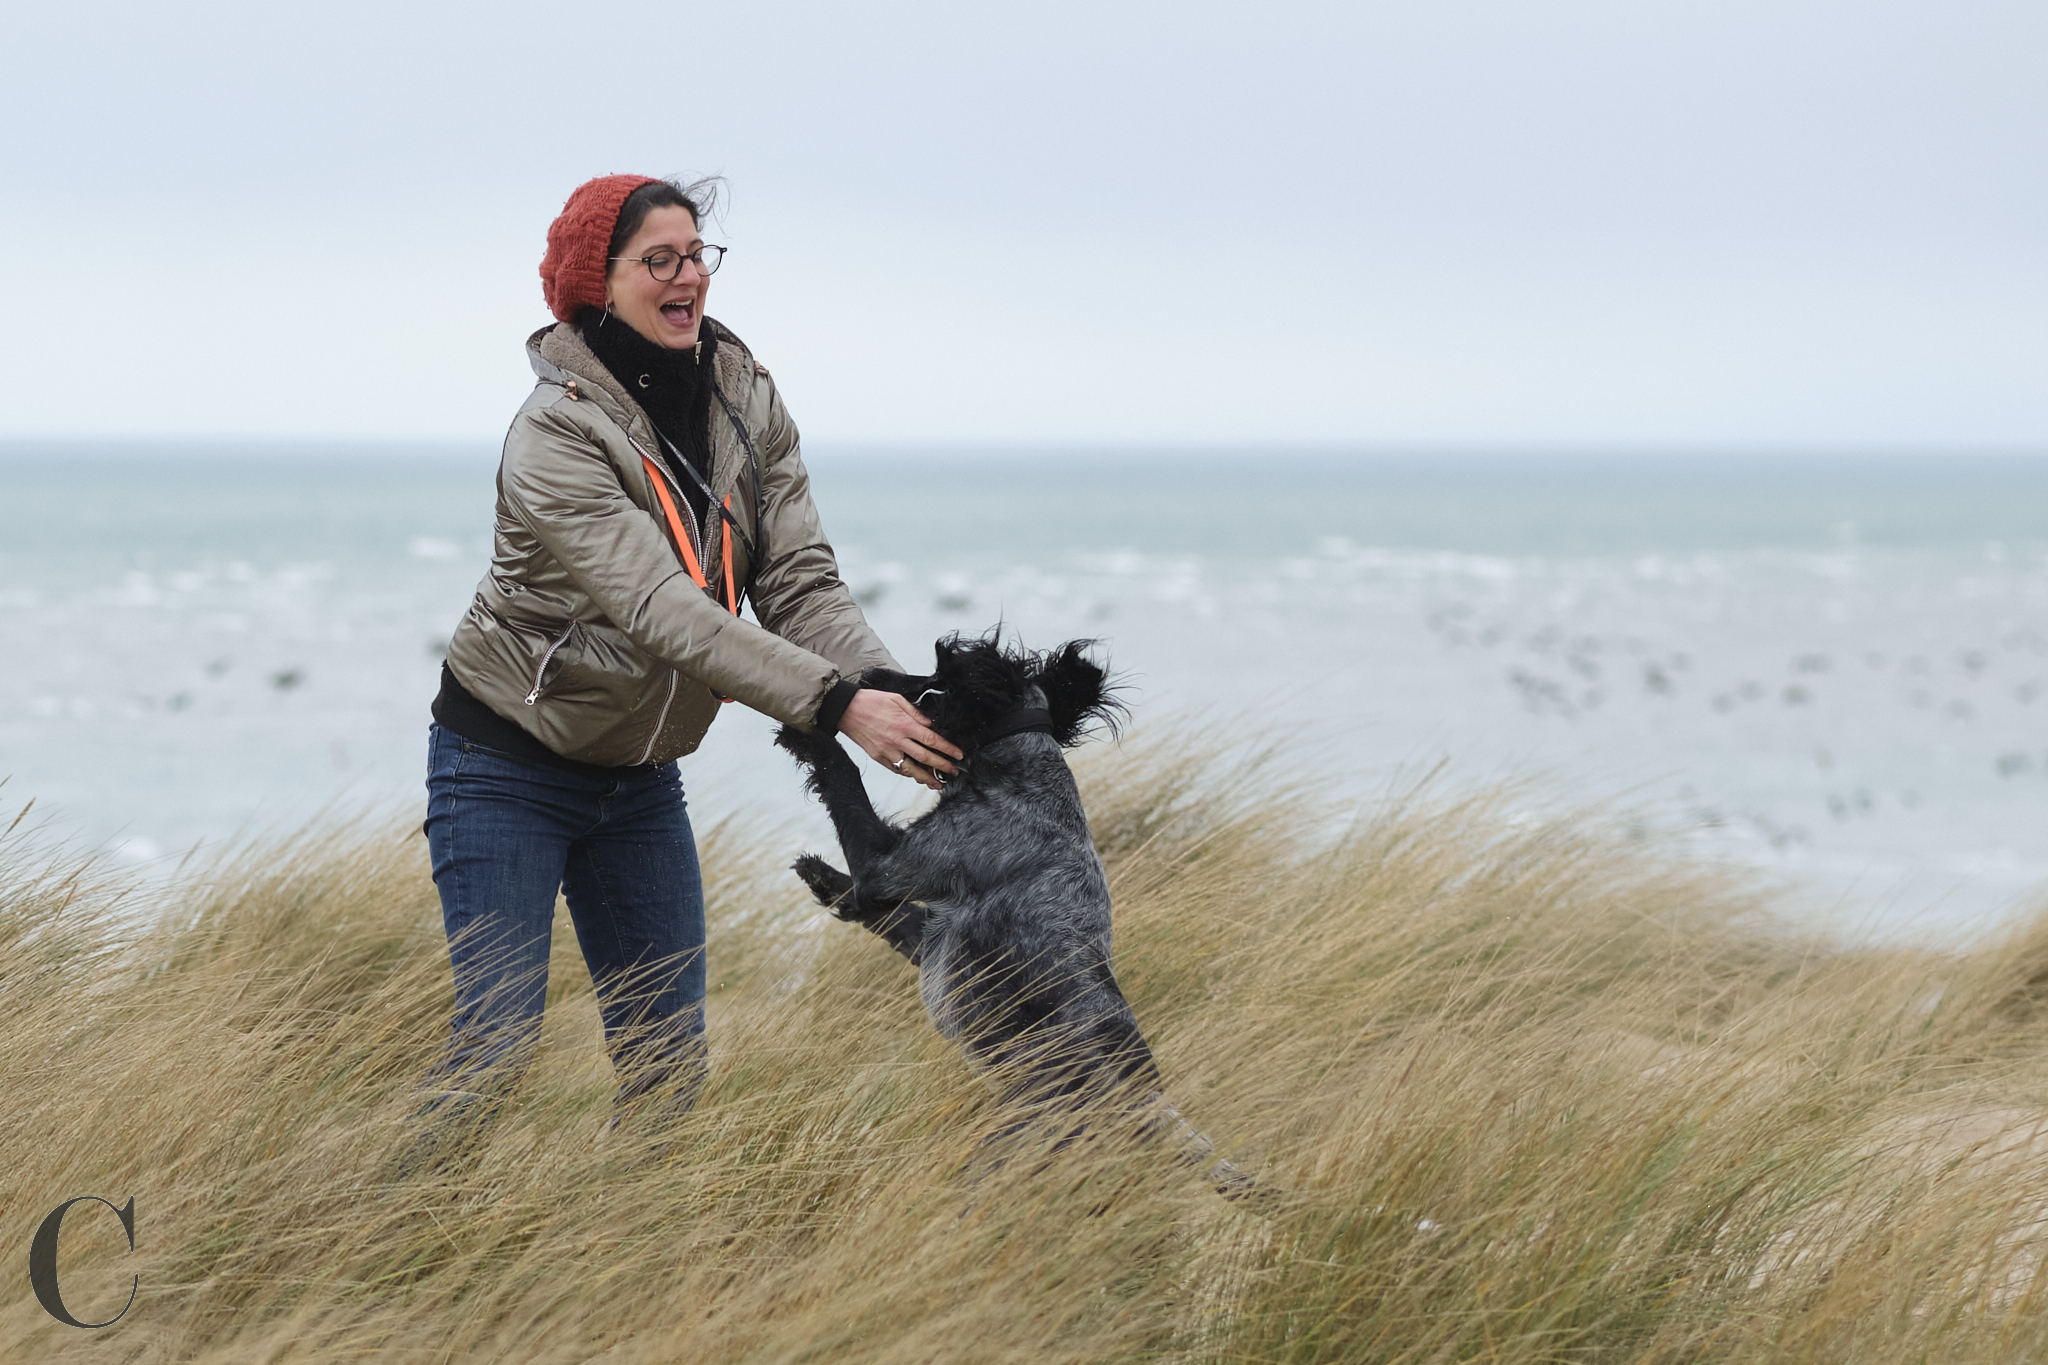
(896, 735)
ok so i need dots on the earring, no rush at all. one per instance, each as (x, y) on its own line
(607, 313)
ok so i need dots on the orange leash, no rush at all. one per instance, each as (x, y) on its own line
(732, 593)
(682, 536)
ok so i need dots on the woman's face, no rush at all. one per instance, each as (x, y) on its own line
(666, 314)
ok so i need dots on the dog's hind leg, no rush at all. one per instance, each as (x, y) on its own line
(1075, 1064)
(1125, 1063)
(1159, 1121)
(1122, 1062)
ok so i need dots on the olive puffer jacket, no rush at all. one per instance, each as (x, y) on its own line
(587, 631)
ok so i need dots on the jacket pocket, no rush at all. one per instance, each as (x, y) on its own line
(540, 671)
(593, 685)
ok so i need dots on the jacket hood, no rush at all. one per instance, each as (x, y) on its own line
(559, 354)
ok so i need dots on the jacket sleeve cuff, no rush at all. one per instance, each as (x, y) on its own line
(833, 708)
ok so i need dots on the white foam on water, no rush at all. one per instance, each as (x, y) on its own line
(1861, 718)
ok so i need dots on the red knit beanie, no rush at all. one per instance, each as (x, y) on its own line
(572, 273)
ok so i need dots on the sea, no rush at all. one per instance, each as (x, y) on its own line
(1829, 672)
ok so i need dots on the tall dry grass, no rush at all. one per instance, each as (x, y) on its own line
(1530, 1094)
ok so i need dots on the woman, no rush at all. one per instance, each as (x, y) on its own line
(649, 486)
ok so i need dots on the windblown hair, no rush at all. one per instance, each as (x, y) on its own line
(699, 196)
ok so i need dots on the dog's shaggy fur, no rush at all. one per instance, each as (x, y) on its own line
(996, 893)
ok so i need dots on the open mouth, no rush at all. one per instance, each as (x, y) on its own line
(681, 313)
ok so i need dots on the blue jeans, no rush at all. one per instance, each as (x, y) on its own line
(505, 835)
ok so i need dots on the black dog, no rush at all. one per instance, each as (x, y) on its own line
(996, 894)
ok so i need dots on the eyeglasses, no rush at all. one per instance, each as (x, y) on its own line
(666, 265)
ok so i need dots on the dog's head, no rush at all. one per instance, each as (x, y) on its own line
(981, 683)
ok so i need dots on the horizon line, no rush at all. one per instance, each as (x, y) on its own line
(15, 446)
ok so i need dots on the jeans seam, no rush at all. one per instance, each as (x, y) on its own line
(455, 775)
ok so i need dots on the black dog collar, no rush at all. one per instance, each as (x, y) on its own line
(1017, 722)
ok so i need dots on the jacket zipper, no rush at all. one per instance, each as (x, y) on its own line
(661, 719)
(697, 543)
(545, 659)
(697, 537)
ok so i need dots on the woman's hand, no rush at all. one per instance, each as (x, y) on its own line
(896, 735)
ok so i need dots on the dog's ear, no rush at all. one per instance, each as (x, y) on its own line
(947, 652)
(1077, 693)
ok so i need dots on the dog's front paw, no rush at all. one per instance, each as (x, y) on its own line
(807, 747)
(832, 887)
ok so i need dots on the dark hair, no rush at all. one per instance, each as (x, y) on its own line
(698, 196)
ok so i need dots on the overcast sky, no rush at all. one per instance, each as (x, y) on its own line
(1439, 222)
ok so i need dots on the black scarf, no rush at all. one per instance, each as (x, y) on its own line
(674, 387)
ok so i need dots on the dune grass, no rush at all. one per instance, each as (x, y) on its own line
(1528, 1092)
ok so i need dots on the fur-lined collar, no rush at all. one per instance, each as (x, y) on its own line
(558, 354)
